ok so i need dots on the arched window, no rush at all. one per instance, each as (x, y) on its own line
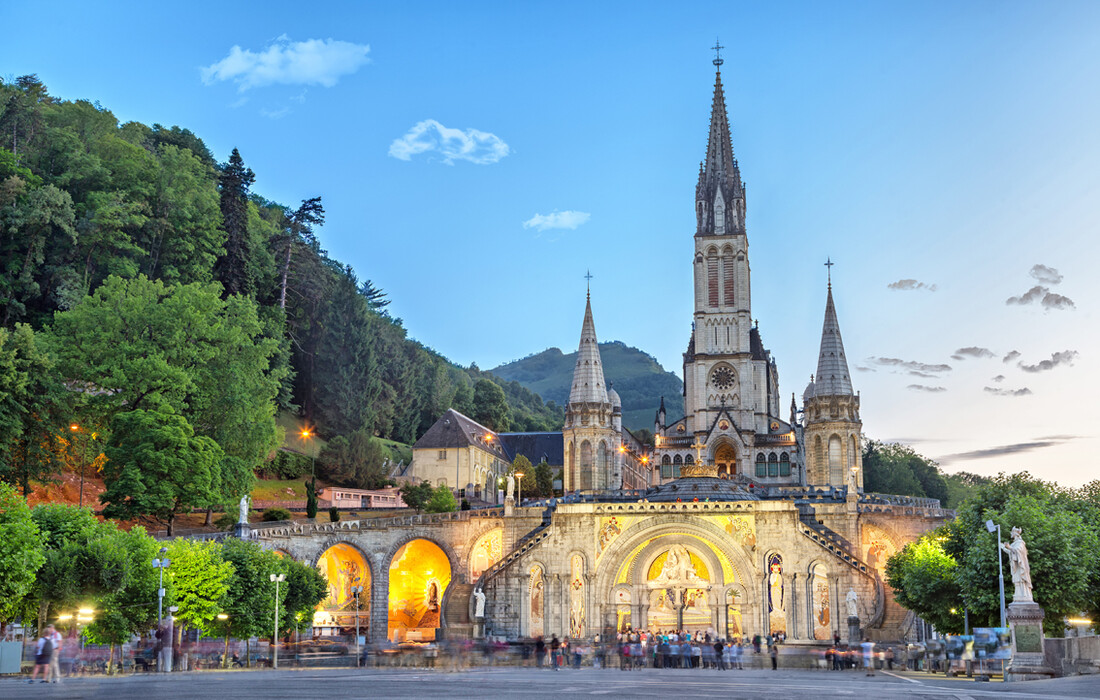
(666, 467)
(585, 481)
(727, 278)
(689, 460)
(761, 465)
(773, 465)
(784, 465)
(836, 465)
(676, 462)
(712, 278)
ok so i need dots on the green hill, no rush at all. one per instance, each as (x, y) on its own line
(639, 379)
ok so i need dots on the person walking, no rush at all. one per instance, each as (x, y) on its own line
(540, 652)
(42, 650)
(868, 656)
(55, 655)
(555, 647)
(773, 651)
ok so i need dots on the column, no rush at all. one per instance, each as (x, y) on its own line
(594, 622)
(808, 597)
(379, 598)
(792, 624)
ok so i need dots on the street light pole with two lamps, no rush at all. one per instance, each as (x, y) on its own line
(275, 633)
(991, 527)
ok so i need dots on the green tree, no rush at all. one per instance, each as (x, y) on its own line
(463, 400)
(305, 587)
(490, 405)
(250, 600)
(21, 553)
(197, 582)
(232, 269)
(441, 501)
(311, 498)
(897, 469)
(130, 606)
(529, 480)
(544, 478)
(923, 577)
(354, 461)
(157, 467)
(417, 495)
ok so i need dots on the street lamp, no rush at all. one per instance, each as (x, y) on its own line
(991, 526)
(306, 435)
(275, 634)
(519, 487)
(162, 564)
(357, 591)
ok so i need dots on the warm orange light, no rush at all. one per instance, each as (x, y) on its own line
(488, 437)
(519, 474)
(74, 427)
(223, 616)
(645, 460)
(622, 448)
(306, 433)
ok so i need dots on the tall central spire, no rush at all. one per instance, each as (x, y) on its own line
(588, 381)
(720, 193)
(832, 366)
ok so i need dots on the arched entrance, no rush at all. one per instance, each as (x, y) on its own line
(349, 581)
(419, 575)
(725, 458)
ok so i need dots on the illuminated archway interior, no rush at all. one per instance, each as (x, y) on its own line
(419, 575)
(344, 567)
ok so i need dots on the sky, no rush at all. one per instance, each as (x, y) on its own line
(476, 159)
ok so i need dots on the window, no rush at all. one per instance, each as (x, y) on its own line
(676, 462)
(784, 465)
(773, 465)
(443, 454)
(761, 465)
(666, 467)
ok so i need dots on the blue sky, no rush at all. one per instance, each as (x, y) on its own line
(952, 144)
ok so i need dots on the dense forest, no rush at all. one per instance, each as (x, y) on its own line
(146, 290)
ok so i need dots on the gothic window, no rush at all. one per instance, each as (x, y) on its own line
(676, 462)
(586, 466)
(727, 278)
(761, 465)
(666, 467)
(689, 460)
(773, 465)
(723, 378)
(784, 465)
(836, 466)
(712, 280)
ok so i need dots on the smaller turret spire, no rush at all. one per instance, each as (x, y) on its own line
(832, 365)
(588, 380)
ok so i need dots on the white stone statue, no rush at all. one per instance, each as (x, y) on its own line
(1021, 569)
(852, 599)
(511, 489)
(244, 506)
(479, 603)
(677, 567)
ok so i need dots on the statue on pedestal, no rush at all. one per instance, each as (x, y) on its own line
(479, 604)
(244, 507)
(852, 599)
(511, 489)
(1021, 569)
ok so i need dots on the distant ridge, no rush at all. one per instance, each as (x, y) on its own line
(637, 376)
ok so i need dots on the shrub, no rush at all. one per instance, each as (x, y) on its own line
(273, 514)
(334, 514)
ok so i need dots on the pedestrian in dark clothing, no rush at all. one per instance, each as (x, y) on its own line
(555, 650)
(773, 651)
(540, 651)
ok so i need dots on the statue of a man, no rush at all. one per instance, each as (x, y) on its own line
(479, 603)
(852, 599)
(511, 488)
(1021, 569)
(244, 510)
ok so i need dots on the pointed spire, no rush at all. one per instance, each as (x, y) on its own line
(832, 365)
(719, 182)
(588, 381)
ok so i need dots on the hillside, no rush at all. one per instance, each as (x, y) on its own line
(639, 379)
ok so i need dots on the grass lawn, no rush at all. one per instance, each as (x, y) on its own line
(276, 489)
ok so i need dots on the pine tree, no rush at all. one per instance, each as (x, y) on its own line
(232, 268)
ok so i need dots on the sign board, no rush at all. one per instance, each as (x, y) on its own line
(1029, 638)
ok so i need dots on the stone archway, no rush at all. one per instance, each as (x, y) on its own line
(348, 574)
(420, 572)
(725, 458)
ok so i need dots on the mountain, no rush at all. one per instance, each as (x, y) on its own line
(639, 379)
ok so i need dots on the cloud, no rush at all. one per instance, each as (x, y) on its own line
(286, 62)
(917, 369)
(907, 285)
(275, 113)
(1044, 296)
(997, 391)
(559, 219)
(861, 368)
(429, 136)
(1065, 357)
(999, 378)
(1012, 355)
(1003, 450)
(1046, 275)
(963, 353)
(929, 389)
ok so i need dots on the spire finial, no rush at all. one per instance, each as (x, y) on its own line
(717, 48)
(829, 265)
(588, 282)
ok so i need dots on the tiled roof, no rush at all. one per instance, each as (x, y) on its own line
(535, 447)
(456, 430)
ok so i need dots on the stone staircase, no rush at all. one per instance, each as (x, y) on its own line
(524, 545)
(456, 610)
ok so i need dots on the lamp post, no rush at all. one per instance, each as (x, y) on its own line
(519, 487)
(75, 427)
(306, 435)
(275, 633)
(162, 564)
(222, 617)
(991, 526)
(357, 591)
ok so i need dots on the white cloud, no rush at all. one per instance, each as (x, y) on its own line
(428, 136)
(275, 113)
(559, 219)
(286, 62)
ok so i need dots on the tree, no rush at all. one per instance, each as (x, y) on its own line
(157, 467)
(306, 587)
(232, 269)
(417, 495)
(299, 226)
(441, 501)
(897, 469)
(354, 461)
(923, 577)
(250, 600)
(463, 400)
(544, 478)
(197, 582)
(21, 553)
(529, 481)
(490, 405)
(311, 498)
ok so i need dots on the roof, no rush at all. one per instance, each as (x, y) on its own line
(832, 378)
(535, 447)
(588, 382)
(756, 345)
(456, 430)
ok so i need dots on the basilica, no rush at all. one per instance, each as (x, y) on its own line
(737, 520)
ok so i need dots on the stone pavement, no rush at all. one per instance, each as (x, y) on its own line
(529, 684)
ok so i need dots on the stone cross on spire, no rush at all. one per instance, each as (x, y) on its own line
(829, 266)
(717, 48)
(588, 282)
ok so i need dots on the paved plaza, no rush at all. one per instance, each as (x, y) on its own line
(530, 683)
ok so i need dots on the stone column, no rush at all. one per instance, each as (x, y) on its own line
(593, 611)
(792, 623)
(836, 616)
(1028, 659)
(561, 627)
(379, 597)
